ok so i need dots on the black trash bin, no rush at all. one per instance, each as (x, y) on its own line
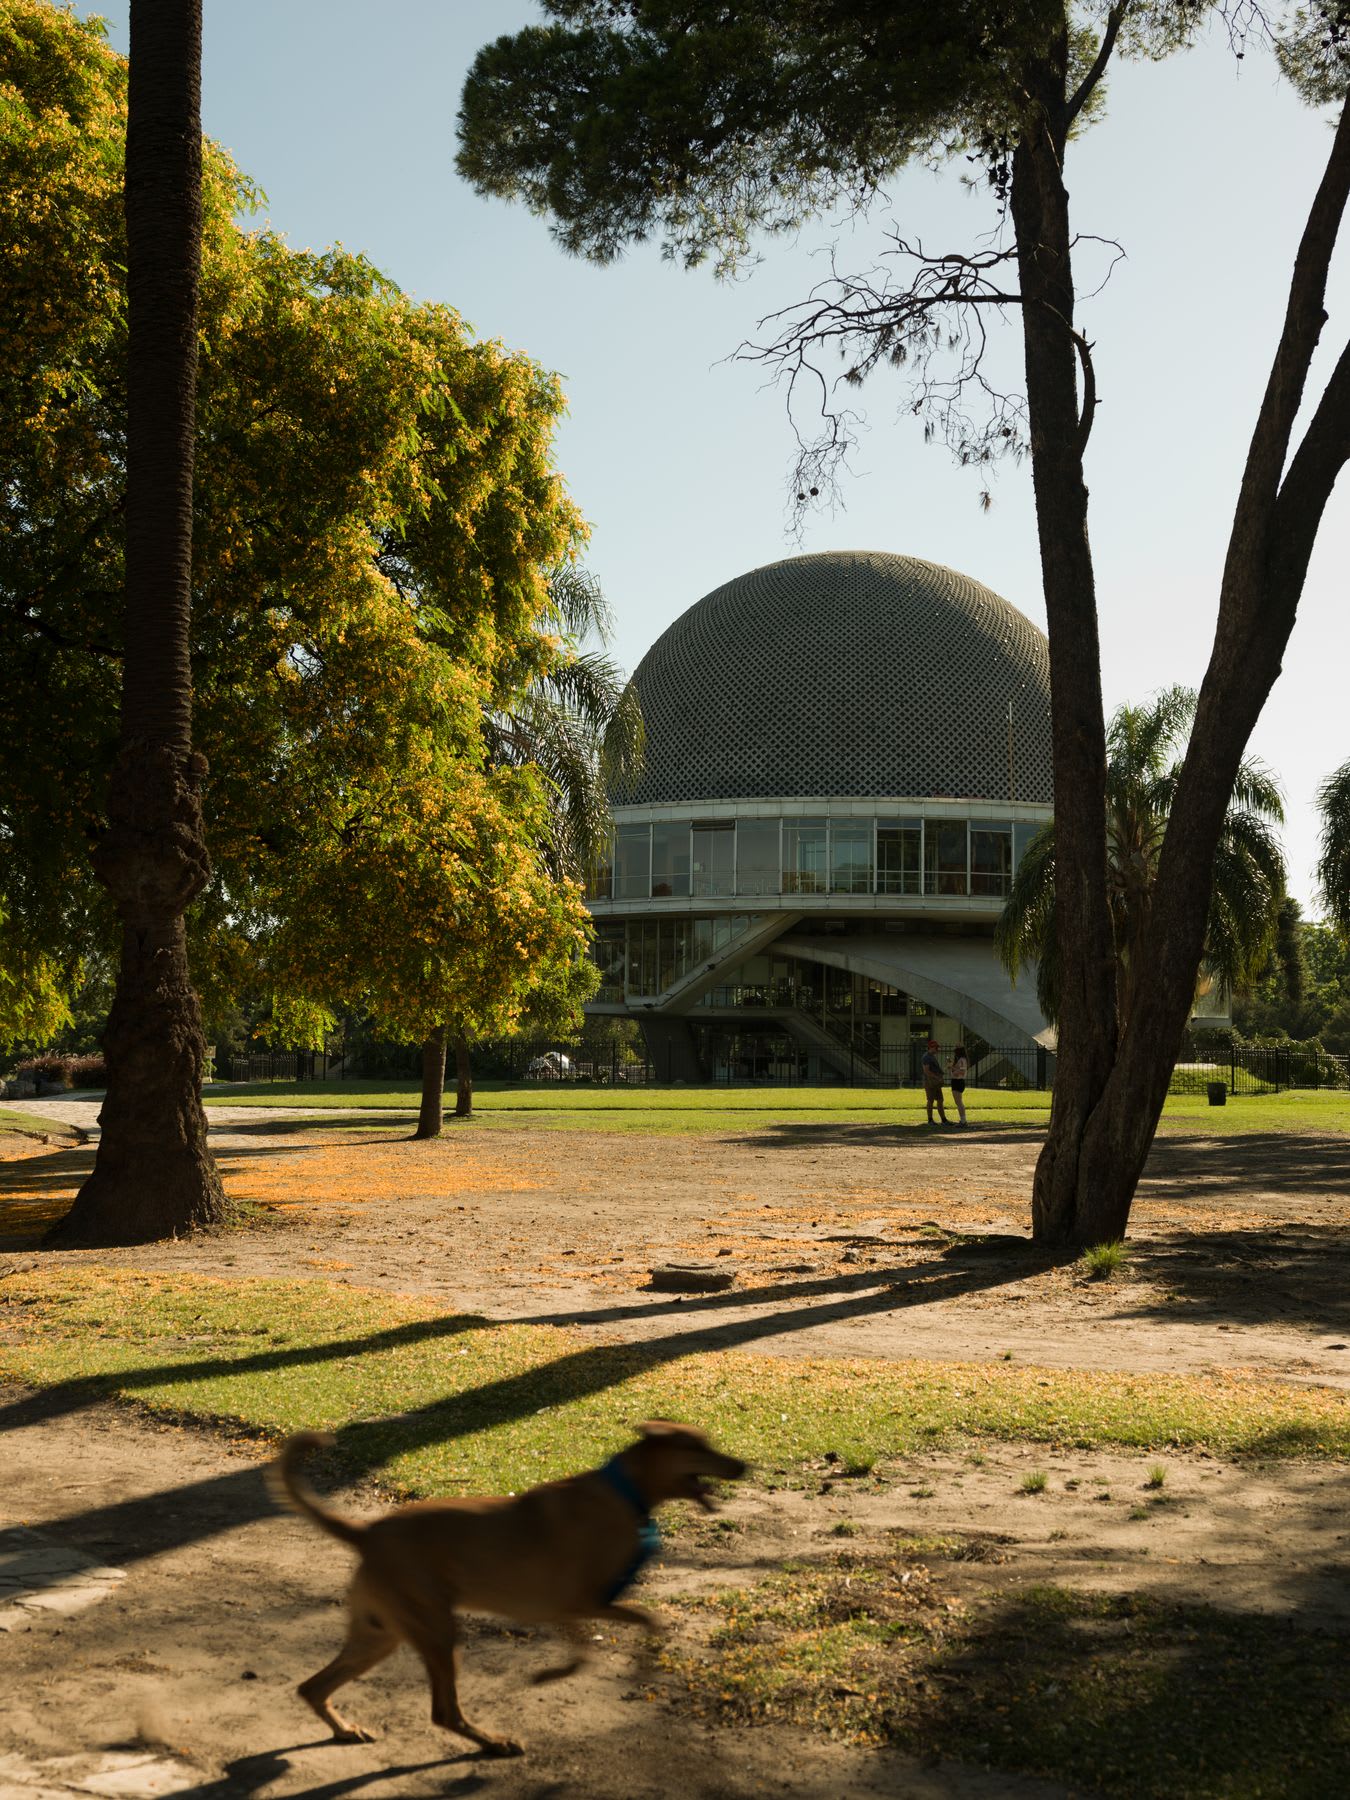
(1218, 1093)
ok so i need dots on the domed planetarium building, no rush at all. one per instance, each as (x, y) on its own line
(846, 755)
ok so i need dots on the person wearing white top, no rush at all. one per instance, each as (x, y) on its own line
(960, 1068)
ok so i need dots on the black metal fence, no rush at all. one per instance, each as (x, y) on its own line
(1261, 1069)
(609, 1063)
(1244, 1070)
(281, 1065)
(1020, 1066)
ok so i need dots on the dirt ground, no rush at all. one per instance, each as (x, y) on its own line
(157, 1647)
(155, 1613)
(843, 1240)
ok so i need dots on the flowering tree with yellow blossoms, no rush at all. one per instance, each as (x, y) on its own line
(362, 852)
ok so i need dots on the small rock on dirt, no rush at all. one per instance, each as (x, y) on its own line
(691, 1278)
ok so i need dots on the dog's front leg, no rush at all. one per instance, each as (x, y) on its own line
(575, 1635)
(632, 1615)
(653, 1628)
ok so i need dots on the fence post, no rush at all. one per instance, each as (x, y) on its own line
(1042, 1068)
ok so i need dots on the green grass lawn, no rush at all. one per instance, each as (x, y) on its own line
(30, 1125)
(441, 1403)
(665, 1111)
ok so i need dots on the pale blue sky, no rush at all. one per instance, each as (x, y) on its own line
(344, 111)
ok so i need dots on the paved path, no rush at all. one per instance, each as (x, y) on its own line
(82, 1111)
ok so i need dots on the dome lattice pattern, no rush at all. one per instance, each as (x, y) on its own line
(846, 674)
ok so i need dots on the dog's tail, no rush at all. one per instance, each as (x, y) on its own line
(283, 1478)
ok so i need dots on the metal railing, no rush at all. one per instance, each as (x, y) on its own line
(1261, 1069)
(1242, 1071)
(281, 1065)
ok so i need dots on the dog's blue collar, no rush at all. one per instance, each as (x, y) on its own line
(649, 1532)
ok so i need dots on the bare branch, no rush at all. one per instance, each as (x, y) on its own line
(932, 326)
(1304, 318)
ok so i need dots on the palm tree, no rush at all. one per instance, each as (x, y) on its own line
(1144, 749)
(1333, 866)
(579, 723)
(154, 1176)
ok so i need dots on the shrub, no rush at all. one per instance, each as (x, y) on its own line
(69, 1071)
(1102, 1260)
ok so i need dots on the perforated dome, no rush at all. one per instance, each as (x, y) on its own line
(847, 674)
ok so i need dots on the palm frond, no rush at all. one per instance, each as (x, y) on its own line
(1025, 932)
(586, 682)
(577, 604)
(1333, 863)
(1256, 789)
(623, 749)
(1245, 899)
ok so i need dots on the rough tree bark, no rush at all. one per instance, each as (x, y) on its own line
(1111, 1084)
(1279, 509)
(433, 1085)
(154, 1176)
(463, 1078)
(1059, 425)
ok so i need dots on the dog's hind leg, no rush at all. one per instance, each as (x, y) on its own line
(369, 1641)
(439, 1650)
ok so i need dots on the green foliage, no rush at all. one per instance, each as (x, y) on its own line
(431, 903)
(1313, 46)
(33, 988)
(1267, 1013)
(702, 124)
(1333, 867)
(378, 520)
(1144, 747)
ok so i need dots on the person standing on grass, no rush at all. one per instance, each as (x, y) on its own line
(932, 1081)
(959, 1070)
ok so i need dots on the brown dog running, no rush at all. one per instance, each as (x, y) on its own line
(557, 1554)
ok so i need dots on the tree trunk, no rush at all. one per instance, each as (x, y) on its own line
(154, 1176)
(433, 1085)
(1110, 1086)
(1087, 1002)
(1279, 509)
(463, 1078)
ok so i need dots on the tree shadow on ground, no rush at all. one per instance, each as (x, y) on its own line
(1293, 1274)
(894, 1288)
(385, 1119)
(1198, 1170)
(1122, 1694)
(151, 1524)
(786, 1134)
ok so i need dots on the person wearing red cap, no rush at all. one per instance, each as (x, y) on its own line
(932, 1081)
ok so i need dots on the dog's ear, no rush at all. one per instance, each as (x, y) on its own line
(669, 1428)
(657, 1428)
